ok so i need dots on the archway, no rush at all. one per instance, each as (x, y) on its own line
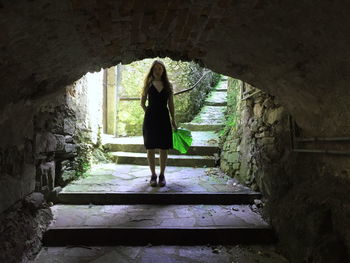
(293, 50)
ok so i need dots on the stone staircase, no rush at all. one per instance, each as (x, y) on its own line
(114, 204)
(204, 150)
(212, 115)
(130, 150)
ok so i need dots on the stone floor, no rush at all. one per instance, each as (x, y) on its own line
(161, 254)
(135, 178)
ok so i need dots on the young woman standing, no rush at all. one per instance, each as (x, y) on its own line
(157, 132)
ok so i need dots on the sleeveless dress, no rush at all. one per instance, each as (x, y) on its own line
(157, 131)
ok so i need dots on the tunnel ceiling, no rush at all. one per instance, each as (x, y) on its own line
(295, 50)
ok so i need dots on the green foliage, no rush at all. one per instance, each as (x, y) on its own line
(215, 79)
(130, 117)
(182, 75)
(87, 153)
(232, 116)
(100, 155)
(82, 161)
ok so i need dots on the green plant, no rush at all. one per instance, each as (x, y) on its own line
(232, 114)
(83, 159)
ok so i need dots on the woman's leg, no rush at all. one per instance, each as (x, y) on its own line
(162, 159)
(163, 156)
(152, 166)
(151, 160)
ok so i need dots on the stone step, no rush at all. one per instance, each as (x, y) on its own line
(140, 148)
(161, 254)
(216, 98)
(108, 198)
(202, 126)
(210, 118)
(173, 160)
(221, 89)
(102, 236)
(212, 103)
(222, 85)
(204, 143)
(155, 224)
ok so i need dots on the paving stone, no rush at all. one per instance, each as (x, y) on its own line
(137, 254)
(154, 258)
(204, 254)
(175, 222)
(184, 212)
(130, 252)
(110, 258)
(204, 220)
(153, 215)
(179, 179)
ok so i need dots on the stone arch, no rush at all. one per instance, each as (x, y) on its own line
(297, 51)
(290, 49)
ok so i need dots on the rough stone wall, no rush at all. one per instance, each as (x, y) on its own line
(306, 194)
(230, 138)
(262, 133)
(66, 129)
(54, 128)
(312, 210)
(311, 214)
(38, 142)
(42, 149)
(85, 99)
(22, 228)
(18, 171)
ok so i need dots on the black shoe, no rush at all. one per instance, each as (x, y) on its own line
(153, 181)
(161, 181)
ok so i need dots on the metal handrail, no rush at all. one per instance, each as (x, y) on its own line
(323, 139)
(251, 95)
(186, 90)
(295, 139)
(321, 151)
(176, 93)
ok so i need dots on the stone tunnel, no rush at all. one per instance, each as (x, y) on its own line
(296, 51)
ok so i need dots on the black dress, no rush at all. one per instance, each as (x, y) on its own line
(157, 132)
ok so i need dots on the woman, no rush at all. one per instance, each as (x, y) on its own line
(157, 133)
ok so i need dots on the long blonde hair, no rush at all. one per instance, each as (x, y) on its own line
(149, 78)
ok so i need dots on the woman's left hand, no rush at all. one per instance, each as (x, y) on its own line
(173, 123)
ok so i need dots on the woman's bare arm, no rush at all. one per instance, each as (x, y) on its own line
(143, 102)
(172, 110)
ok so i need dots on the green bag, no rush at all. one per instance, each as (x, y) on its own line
(182, 140)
